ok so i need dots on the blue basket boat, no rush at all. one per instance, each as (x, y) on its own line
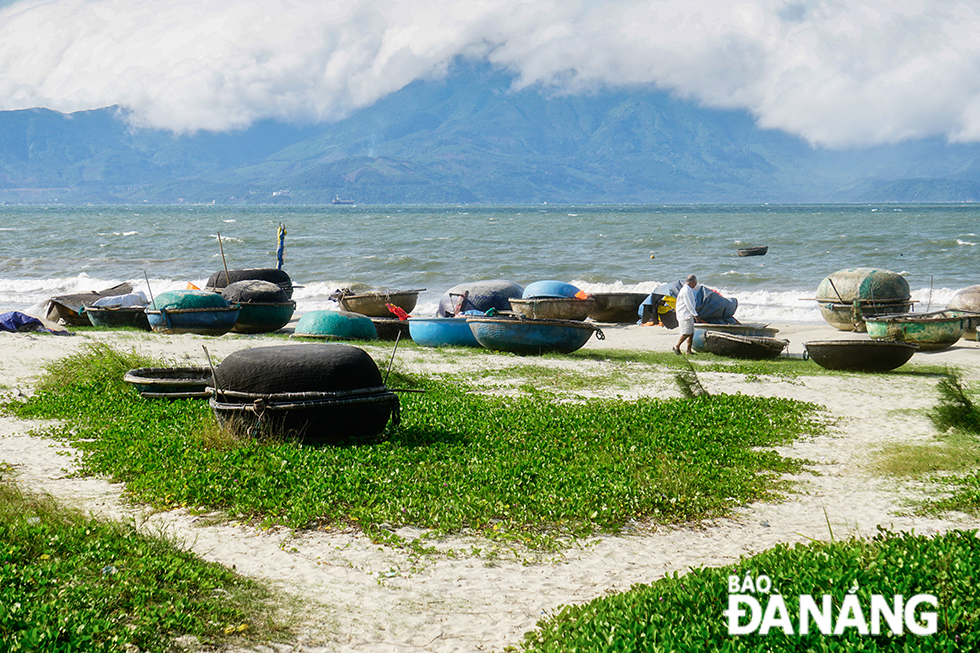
(441, 332)
(191, 311)
(523, 336)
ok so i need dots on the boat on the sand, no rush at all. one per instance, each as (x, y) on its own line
(746, 347)
(859, 355)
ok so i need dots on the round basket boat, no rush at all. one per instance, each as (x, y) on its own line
(391, 328)
(848, 296)
(553, 308)
(264, 306)
(745, 347)
(617, 307)
(524, 336)
(335, 325)
(191, 311)
(375, 304)
(315, 393)
(170, 382)
(967, 302)
(859, 355)
(550, 288)
(117, 316)
(699, 343)
(223, 278)
(931, 331)
(478, 296)
(441, 332)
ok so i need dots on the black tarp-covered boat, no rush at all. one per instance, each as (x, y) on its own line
(316, 393)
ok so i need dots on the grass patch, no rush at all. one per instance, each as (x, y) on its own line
(685, 612)
(73, 583)
(525, 469)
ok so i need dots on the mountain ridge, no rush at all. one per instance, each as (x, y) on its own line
(470, 138)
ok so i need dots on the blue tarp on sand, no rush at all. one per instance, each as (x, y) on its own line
(15, 321)
(712, 308)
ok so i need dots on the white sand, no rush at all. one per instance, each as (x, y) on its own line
(363, 597)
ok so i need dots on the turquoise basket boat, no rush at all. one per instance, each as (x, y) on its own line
(335, 325)
(931, 331)
(191, 311)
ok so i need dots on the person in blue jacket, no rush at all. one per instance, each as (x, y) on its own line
(686, 314)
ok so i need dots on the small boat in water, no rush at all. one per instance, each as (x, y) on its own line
(931, 331)
(753, 251)
(747, 347)
(523, 336)
(859, 355)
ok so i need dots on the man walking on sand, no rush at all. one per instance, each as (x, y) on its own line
(686, 313)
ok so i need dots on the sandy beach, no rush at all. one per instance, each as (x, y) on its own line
(360, 596)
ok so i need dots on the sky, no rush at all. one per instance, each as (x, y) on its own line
(838, 73)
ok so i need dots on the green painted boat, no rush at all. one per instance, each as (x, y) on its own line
(931, 331)
(335, 325)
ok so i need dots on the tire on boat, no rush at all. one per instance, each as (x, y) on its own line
(317, 393)
(480, 296)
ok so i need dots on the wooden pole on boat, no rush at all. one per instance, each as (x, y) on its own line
(149, 290)
(223, 261)
(929, 304)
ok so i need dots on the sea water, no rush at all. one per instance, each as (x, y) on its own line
(52, 250)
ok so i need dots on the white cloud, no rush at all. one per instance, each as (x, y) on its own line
(836, 72)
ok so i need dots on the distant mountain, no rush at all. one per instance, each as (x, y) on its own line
(470, 139)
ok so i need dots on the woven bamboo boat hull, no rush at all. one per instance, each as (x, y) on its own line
(553, 308)
(170, 382)
(214, 321)
(375, 304)
(315, 418)
(747, 347)
(931, 331)
(263, 318)
(523, 336)
(617, 307)
(749, 329)
(441, 332)
(860, 355)
(123, 316)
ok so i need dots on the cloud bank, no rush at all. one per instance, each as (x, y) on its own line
(838, 73)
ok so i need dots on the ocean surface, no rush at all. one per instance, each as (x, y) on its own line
(52, 250)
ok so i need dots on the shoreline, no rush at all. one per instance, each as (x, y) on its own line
(360, 596)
